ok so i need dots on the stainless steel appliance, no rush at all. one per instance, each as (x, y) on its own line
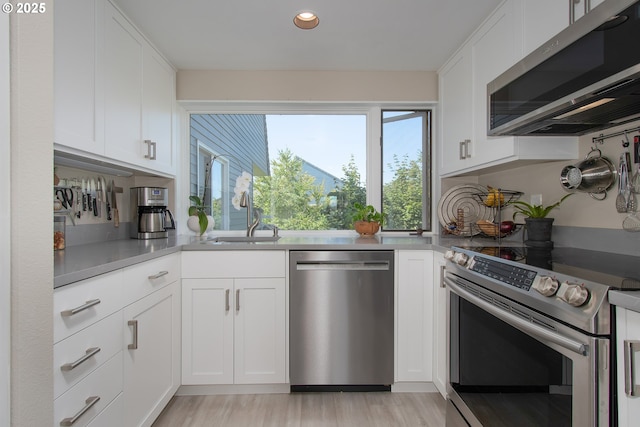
(530, 335)
(341, 320)
(150, 217)
(584, 79)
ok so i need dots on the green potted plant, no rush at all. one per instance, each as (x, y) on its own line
(197, 210)
(366, 219)
(537, 225)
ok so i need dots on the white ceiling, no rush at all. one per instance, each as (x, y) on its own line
(382, 35)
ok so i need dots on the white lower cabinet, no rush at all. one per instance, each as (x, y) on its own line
(628, 342)
(116, 353)
(414, 316)
(233, 325)
(151, 355)
(439, 324)
(233, 331)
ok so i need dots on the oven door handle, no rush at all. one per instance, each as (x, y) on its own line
(523, 325)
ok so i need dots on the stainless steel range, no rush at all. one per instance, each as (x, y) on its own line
(530, 336)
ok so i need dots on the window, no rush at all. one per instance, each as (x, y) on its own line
(308, 169)
(406, 173)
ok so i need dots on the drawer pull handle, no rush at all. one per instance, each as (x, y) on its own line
(159, 275)
(443, 268)
(88, 354)
(134, 345)
(631, 347)
(88, 404)
(238, 300)
(226, 298)
(83, 307)
(150, 147)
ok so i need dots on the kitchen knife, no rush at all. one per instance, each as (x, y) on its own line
(84, 195)
(93, 197)
(116, 217)
(108, 203)
(89, 201)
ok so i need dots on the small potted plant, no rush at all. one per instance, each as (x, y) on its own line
(198, 220)
(367, 220)
(537, 225)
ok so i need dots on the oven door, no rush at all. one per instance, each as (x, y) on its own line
(512, 366)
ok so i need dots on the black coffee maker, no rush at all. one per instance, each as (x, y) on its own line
(151, 218)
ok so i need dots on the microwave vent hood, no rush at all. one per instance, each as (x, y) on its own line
(585, 79)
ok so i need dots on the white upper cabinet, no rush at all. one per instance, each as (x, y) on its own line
(456, 111)
(492, 49)
(78, 90)
(543, 19)
(123, 109)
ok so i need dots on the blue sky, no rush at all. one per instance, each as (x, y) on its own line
(326, 141)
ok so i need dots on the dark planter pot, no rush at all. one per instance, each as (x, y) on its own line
(538, 232)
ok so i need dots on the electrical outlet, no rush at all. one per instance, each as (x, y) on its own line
(536, 199)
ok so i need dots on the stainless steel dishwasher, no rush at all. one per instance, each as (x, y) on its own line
(341, 320)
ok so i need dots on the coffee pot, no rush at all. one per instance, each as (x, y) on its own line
(151, 218)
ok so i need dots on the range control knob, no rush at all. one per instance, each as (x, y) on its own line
(574, 294)
(546, 285)
(461, 259)
(449, 254)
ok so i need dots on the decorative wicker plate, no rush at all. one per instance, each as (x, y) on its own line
(463, 197)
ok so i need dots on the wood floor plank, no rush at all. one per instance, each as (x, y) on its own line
(374, 409)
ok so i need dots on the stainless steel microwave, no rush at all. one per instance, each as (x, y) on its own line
(585, 79)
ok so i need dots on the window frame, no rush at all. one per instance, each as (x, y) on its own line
(373, 113)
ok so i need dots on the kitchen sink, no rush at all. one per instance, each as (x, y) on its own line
(243, 239)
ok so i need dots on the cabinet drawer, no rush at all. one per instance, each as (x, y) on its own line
(111, 416)
(142, 279)
(232, 264)
(80, 354)
(81, 304)
(104, 383)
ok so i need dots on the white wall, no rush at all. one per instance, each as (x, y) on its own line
(31, 224)
(5, 226)
(579, 210)
(307, 86)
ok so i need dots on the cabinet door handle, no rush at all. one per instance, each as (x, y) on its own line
(631, 347)
(461, 150)
(158, 275)
(87, 355)
(237, 299)
(92, 400)
(226, 300)
(83, 307)
(443, 268)
(467, 142)
(151, 147)
(134, 344)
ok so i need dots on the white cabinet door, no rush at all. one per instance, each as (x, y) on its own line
(207, 331)
(455, 111)
(123, 88)
(439, 324)
(414, 313)
(157, 111)
(542, 19)
(259, 331)
(628, 330)
(493, 49)
(78, 90)
(151, 355)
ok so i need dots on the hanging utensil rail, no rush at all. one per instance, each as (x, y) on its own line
(600, 139)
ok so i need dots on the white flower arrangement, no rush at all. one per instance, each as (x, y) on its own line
(243, 182)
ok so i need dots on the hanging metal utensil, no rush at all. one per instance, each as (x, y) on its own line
(621, 200)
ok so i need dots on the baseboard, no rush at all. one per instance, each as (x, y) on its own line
(205, 390)
(414, 387)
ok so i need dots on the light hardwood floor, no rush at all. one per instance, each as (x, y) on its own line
(306, 410)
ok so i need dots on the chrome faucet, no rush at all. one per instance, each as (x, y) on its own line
(245, 202)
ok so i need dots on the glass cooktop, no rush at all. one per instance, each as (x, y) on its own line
(615, 270)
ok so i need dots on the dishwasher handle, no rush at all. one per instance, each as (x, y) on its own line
(343, 265)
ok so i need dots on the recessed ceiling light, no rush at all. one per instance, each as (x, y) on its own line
(306, 20)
